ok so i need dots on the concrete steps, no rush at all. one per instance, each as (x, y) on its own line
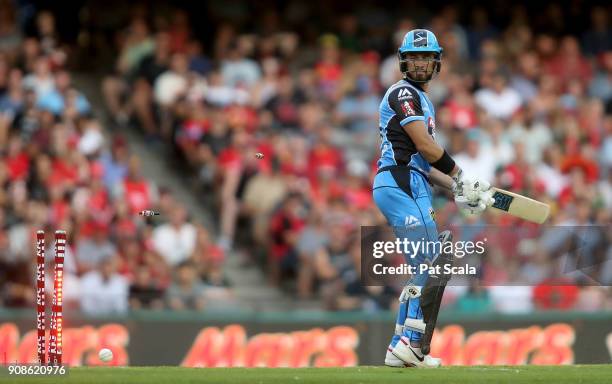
(248, 281)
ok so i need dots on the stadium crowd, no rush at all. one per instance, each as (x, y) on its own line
(61, 169)
(522, 102)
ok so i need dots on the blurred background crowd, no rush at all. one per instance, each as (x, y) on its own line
(523, 99)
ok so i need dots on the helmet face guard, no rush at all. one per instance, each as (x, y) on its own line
(419, 41)
(410, 69)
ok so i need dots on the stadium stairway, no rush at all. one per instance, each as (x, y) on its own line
(248, 282)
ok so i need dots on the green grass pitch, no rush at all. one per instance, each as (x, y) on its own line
(573, 374)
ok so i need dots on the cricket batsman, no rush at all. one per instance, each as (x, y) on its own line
(410, 162)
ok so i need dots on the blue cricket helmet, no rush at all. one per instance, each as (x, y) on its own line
(419, 40)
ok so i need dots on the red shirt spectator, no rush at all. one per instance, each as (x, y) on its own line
(513, 177)
(358, 197)
(193, 130)
(125, 227)
(329, 69)
(137, 195)
(329, 72)
(285, 225)
(136, 188)
(324, 158)
(98, 198)
(64, 173)
(241, 117)
(229, 158)
(60, 210)
(325, 190)
(463, 115)
(206, 251)
(18, 166)
(552, 295)
(590, 168)
(179, 31)
(569, 63)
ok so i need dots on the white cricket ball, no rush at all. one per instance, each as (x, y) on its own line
(105, 355)
(259, 155)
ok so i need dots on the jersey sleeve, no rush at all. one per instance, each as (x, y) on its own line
(406, 103)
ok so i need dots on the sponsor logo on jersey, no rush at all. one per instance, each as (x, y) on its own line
(404, 94)
(411, 222)
(431, 124)
(407, 108)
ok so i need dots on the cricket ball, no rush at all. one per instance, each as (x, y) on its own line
(105, 355)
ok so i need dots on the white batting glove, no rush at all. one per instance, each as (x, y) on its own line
(475, 196)
(457, 186)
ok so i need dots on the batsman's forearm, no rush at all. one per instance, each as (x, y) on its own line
(440, 179)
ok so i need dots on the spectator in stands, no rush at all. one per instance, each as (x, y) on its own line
(94, 250)
(534, 133)
(601, 85)
(16, 288)
(313, 239)
(11, 103)
(264, 192)
(475, 300)
(56, 99)
(329, 69)
(237, 70)
(285, 227)
(475, 158)
(143, 292)
(569, 63)
(555, 295)
(208, 259)
(104, 291)
(479, 30)
(525, 78)
(136, 45)
(10, 35)
(139, 192)
(115, 163)
(498, 100)
(283, 104)
(198, 62)
(187, 291)
(388, 69)
(169, 87)
(41, 81)
(55, 173)
(498, 146)
(460, 104)
(338, 268)
(598, 39)
(237, 164)
(175, 241)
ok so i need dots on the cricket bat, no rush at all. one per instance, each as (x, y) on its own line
(520, 206)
